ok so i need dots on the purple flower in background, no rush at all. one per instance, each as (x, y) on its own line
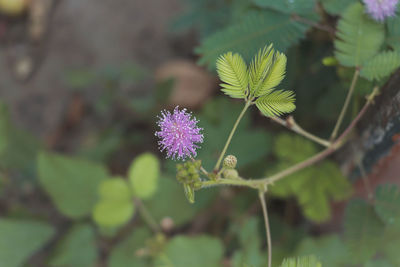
(380, 9)
(178, 133)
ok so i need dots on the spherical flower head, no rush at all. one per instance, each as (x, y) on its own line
(381, 9)
(179, 134)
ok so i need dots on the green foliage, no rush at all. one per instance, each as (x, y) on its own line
(363, 231)
(288, 6)
(143, 175)
(393, 27)
(381, 65)
(276, 103)
(250, 245)
(390, 244)
(329, 249)
(387, 204)
(336, 7)
(20, 239)
(358, 37)
(125, 254)
(306, 261)
(77, 249)
(71, 182)
(199, 251)
(250, 34)
(314, 186)
(217, 117)
(232, 70)
(115, 206)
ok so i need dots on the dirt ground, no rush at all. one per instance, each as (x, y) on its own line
(90, 34)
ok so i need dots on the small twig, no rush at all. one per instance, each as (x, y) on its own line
(267, 230)
(346, 104)
(291, 124)
(311, 23)
(146, 216)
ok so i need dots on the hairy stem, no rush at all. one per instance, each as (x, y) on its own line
(346, 104)
(291, 124)
(266, 221)
(228, 141)
(146, 216)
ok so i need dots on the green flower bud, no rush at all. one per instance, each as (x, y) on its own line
(230, 162)
(230, 173)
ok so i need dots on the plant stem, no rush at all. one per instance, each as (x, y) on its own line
(311, 23)
(248, 103)
(291, 124)
(147, 217)
(267, 231)
(346, 104)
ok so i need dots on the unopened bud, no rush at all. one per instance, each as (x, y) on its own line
(230, 162)
(230, 173)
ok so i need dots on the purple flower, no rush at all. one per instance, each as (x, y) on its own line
(178, 133)
(380, 9)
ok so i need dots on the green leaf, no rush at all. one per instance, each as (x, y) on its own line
(393, 38)
(71, 183)
(115, 206)
(390, 244)
(358, 37)
(276, 103)
(288, 6)
(199, 251)
(314, 186)
(77, 248)
(143, 175)
(20, 239)
(387, 203)
(336, 7)
(363, 231)
(379, 263)
(329, 249)
(250, 34)
(125, 254)
(381, 65)
(306, 261)
(259, 68)
(232, 70)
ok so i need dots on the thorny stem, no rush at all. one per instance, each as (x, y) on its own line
(147, 217)
(248, 103)
(266, 221)
(346, 104)
(259, 183)
(291, 124)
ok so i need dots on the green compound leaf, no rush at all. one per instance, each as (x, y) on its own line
(387, 204)
(314, 186)
(381, 65)
(199, 251)
(124, 254)
(115, 206)
(288, 6)
(232, 70)
(71, 183)
(250, 34)
(276, 103)
(363, 231)
(77, 249)
(393, 27)
(358, 37)
(329, 249)
(20, 239)
(306, 261)
(336, 7)
(143, 175)
(390, 244)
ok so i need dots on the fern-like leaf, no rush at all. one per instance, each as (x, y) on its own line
(232, 70)
(259, 68)
(393, 38)
(276, 103)
(381, 65)
(358, 37)
(387, 204)
(275, 75)
(252, 32)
